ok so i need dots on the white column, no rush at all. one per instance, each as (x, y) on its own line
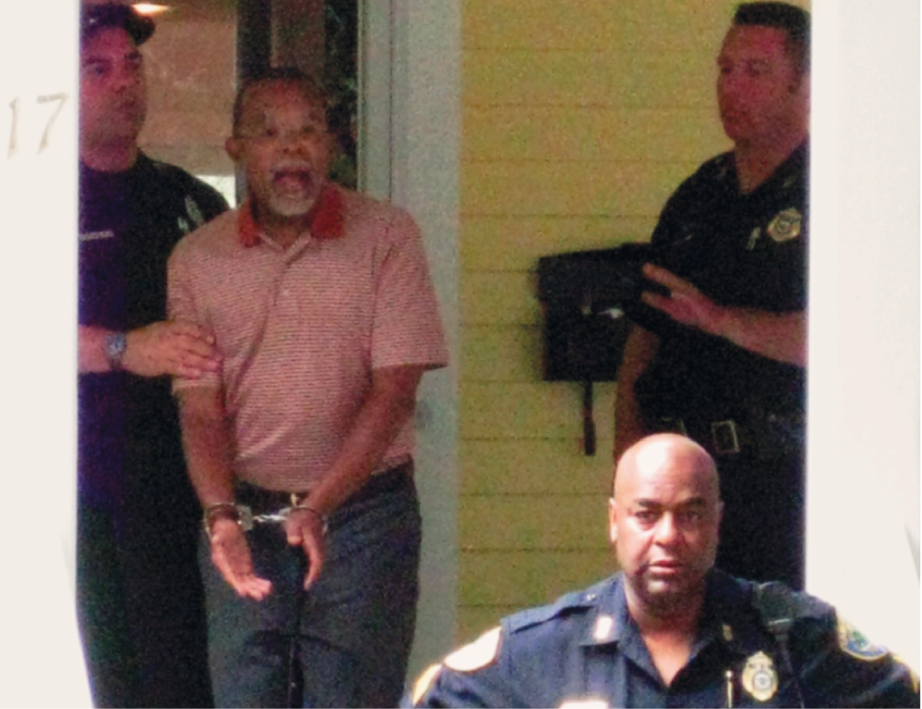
(863, 398)
(41, 662)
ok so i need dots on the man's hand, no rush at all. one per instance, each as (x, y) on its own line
(176, 348)
(231, 555)
(778, 336)
(305, 528)
(685, 304)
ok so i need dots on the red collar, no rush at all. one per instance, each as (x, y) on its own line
(325, 220)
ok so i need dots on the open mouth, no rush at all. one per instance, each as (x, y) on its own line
(292, 178)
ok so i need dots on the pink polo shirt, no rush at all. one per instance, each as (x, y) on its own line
(301, 329)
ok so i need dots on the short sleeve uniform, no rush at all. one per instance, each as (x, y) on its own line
(748, 411)
(585, 650)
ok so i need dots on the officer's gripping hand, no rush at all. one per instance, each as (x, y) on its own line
(685, 304)
(231, 555)
(306, 528)
(177, 348)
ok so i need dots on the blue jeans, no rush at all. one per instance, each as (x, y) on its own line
(351, 632)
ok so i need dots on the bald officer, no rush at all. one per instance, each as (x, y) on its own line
(670, 630)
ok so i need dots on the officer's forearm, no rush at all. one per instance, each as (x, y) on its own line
(639, 351)
(778, 336)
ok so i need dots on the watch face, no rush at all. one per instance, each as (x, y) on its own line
(115, 348)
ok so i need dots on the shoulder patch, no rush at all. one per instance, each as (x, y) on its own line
(479, 653)
(853, 642)
(424, 682)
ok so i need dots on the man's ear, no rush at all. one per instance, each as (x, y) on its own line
(233, 147)
(612, 527)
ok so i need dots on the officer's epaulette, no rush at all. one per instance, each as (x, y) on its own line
(575, 601)
(779, 606)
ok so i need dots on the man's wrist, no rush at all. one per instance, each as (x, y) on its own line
(220, 510)
(324, 520)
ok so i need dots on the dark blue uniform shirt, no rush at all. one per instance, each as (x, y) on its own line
(129, 223)
(586, 650)
(139, 595)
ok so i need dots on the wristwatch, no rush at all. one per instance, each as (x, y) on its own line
(115, 346)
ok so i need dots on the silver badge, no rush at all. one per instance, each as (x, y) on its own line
(786, 225)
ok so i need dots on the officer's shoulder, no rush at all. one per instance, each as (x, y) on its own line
(508, 634)
(576, 602)
(702, 186)
(714, 170)
(171, 172)
(812, 620)
(774, 602)
(186, 182)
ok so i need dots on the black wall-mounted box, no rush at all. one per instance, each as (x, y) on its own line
(582, 294)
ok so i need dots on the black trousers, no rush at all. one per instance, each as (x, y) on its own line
(762, 531)
(139, 594)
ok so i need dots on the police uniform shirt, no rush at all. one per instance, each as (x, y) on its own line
(741, 250)
(139, 593)
(585, 650)
(129, 223)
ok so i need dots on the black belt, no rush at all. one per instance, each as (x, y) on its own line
(262, 501)
(756, 434)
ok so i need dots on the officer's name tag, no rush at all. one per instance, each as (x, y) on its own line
(94, 235)
(584, 704)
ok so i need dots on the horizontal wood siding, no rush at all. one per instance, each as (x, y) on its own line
(579, 118)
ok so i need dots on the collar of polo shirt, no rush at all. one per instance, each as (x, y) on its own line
(325, 220)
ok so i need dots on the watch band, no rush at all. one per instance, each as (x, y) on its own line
(115, 346)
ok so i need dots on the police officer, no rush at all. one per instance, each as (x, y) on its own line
(720, 353)
(138, 589)
(670, 630)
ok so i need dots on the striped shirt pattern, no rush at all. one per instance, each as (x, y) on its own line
(301, 329)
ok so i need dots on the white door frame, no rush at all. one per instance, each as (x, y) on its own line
(408, 152)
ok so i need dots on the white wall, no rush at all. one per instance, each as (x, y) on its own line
(863, 399)
(41, 663)
(426, 100)
(410, 130)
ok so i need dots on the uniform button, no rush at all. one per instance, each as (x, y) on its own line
(590, 597)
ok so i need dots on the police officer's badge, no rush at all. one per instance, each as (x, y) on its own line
(479, 653)
(759, 677)
(785, 225)
(852, 641)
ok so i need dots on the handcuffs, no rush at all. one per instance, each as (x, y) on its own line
(244, 517)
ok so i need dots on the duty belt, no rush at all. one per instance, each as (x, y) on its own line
(757, 434)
